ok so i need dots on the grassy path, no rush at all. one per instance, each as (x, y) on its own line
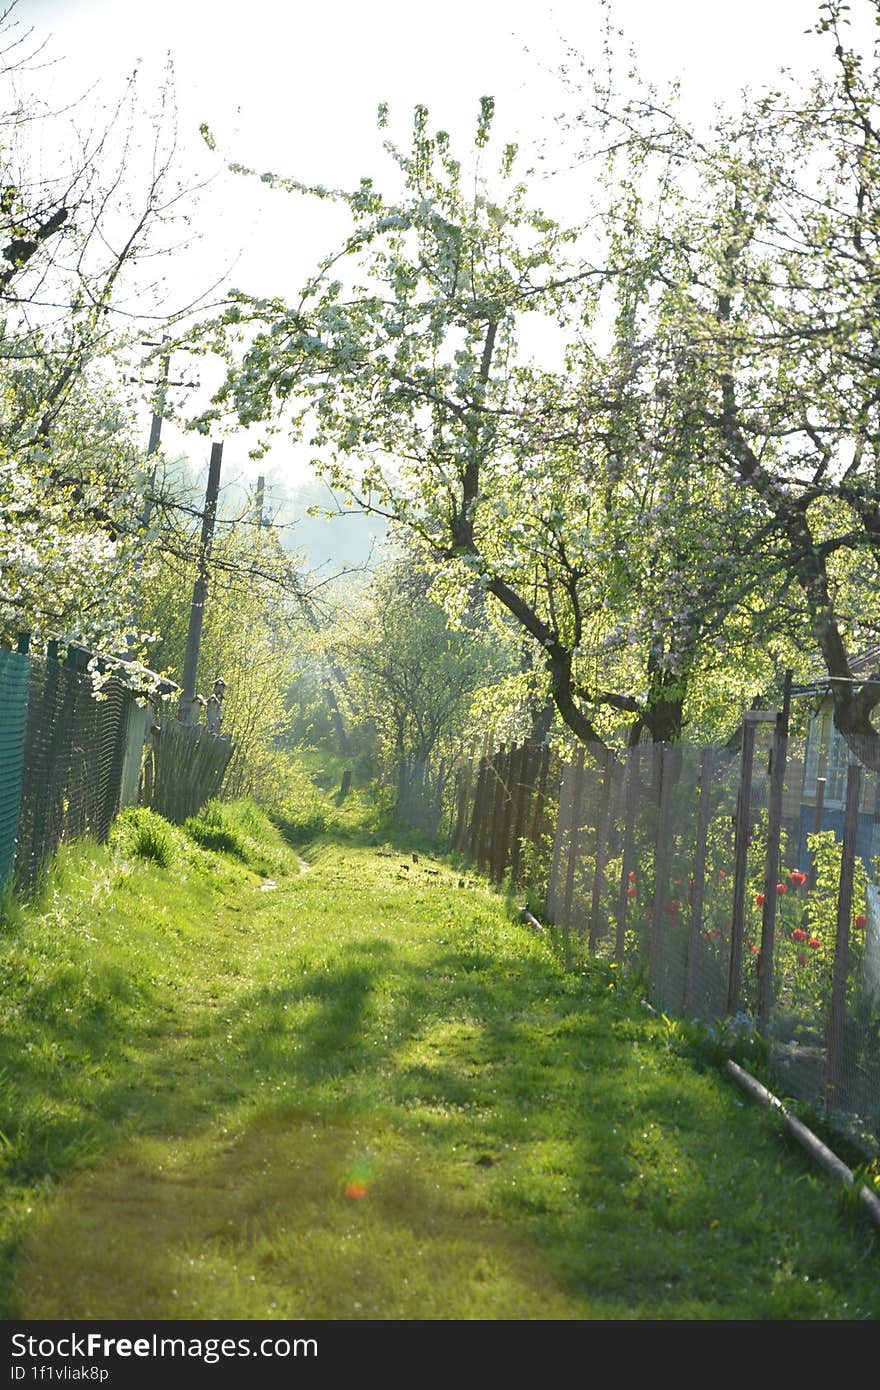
(364, 1092)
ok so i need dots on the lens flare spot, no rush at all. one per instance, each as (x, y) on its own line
(358, 1182)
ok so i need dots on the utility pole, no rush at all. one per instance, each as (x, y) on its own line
(160, 400)
(200, 588)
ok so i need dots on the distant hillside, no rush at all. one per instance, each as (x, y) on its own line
(327, 544)
(339, 542)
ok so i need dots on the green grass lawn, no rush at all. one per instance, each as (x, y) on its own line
(246, 1084)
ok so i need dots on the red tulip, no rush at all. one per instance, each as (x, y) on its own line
(759, 899)
(860, 922)
(815, 942)
(782, 887)
(798, 934)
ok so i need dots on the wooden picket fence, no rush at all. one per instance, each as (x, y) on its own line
(657, 857)
(183, 767)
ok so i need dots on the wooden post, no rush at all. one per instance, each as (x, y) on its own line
(522, 790)
(479, 809)
(463, 789)
(574, 838)
(484, 848)
(601, 846)
(564, 805)
(817, 825)
(497, 801)
(483, 825)
(697, 891)
(664, 754)
(475, 827)
(740, 854)
(539, 807)
(508, 773)
(200, 588)
(771, 863)
(631, 796)
(837, 1015)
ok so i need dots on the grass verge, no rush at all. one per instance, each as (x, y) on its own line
(237, 1090)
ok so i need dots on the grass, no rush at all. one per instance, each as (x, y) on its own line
(366, 1092)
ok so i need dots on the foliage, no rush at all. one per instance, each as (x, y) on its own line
(145, 834)
(241, 829)
(674, 495)
(412, 676)
(776, 313)
(252, 618)
(719, 1040)
(301, 810)
(72, 481)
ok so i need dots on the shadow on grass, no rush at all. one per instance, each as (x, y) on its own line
(267, 1228)
(429, 1055)
(531, 1150)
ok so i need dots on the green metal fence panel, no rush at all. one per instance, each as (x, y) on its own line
(72, 766)
(14, 686)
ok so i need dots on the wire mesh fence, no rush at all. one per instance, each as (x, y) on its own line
(728, 877)
(69, 758)
(73, 755)
(14, 677)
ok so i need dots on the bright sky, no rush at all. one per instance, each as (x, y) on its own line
(293, 87)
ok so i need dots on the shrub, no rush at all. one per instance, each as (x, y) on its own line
(242, 829)
(213, 830)
(302, 811)
(144, 833)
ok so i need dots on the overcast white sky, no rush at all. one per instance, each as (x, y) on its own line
(301, 75)
(293, 87)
